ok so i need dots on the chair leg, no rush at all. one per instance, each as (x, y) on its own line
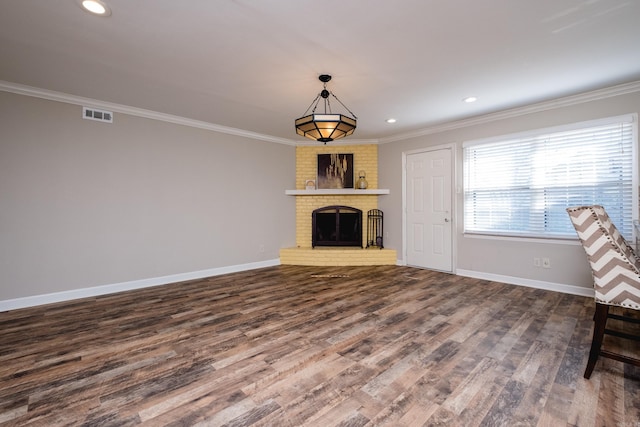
(600, 319)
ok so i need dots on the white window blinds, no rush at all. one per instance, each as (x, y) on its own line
(522, 186)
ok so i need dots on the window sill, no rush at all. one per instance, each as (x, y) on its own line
(542, 240)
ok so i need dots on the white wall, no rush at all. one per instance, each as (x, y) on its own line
(86, 204)
(490, 257)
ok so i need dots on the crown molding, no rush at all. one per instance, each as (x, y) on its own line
(134, 111)
(595, 95)
(350, 141)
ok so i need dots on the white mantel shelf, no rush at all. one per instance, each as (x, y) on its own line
(333, 192)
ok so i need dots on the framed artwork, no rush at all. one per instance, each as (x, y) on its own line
(335, 171)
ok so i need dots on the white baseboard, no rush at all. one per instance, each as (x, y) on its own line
(537, 284)
(32, 301)
(519, 281)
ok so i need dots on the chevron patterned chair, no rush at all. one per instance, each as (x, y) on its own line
(616, 277)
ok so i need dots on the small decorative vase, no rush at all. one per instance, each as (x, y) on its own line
(362, 182)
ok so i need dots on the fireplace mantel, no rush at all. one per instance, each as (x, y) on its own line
(331, 192)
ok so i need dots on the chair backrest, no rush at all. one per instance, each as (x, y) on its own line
(614, 265)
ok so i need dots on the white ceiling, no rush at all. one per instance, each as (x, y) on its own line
(254, 64)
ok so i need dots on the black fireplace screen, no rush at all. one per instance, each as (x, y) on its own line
(374, 228)
(337, 226)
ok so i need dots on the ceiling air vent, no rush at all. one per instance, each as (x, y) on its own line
(99, 115)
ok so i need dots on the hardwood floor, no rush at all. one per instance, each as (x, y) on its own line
(315, 346)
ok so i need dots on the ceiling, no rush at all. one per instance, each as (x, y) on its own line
(254, 64)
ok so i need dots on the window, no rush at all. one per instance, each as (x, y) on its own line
(521, 185)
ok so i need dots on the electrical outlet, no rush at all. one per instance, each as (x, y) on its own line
(536, 262)
(546, 263)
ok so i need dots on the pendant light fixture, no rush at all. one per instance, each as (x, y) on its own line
(326, 126)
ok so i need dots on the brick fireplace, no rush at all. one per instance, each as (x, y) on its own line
(365, 157)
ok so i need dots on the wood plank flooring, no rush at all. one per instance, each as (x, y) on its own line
(313, 346)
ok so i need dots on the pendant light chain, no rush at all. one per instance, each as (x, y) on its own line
(345, 107)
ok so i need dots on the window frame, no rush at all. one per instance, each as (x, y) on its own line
(539, 133)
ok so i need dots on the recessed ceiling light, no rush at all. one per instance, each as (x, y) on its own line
(470, 99)
(97, 7)
(390, 120)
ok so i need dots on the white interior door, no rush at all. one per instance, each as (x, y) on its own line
(428, 223)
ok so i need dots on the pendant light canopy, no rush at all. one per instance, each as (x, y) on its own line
(327, 126)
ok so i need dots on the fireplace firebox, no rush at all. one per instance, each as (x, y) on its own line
(337, 226)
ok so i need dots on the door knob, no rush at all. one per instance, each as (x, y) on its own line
(446, 220)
